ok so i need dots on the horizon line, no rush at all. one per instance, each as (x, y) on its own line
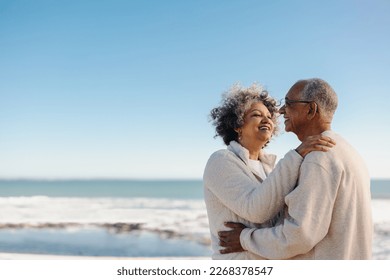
(117, 179)
(95, 179)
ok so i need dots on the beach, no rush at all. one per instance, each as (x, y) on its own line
(131, 226)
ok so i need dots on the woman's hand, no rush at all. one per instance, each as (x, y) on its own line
(315, 143)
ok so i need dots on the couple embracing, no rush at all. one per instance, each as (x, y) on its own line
(314, 204)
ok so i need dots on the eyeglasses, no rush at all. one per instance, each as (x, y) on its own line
(288, 102)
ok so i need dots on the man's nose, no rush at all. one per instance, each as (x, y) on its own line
(282, 109)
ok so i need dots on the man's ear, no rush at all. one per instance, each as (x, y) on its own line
(313, 110)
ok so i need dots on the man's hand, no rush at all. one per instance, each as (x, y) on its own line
(231, 239)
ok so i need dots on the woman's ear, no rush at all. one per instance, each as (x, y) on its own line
(239, 133)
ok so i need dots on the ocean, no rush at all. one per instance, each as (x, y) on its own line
(126, 218)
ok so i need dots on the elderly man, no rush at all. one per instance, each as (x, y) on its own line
(328, 214)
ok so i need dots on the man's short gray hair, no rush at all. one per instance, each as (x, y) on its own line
(322, 93)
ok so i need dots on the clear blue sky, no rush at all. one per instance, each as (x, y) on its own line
(123, 89)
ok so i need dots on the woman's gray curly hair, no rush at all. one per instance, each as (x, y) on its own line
(229, 116)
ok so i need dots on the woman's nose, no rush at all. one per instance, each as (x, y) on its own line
(265, 119)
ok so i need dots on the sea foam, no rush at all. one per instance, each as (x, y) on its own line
(176, 218)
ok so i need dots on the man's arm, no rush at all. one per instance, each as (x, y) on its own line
(310, 208)
(256, 202)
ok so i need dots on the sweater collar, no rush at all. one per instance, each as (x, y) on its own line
(268, 160)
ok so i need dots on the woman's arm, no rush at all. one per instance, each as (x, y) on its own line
(257, 202)
(254, 201)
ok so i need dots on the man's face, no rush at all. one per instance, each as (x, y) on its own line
(294, 111)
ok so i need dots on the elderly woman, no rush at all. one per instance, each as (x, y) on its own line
(240, 182)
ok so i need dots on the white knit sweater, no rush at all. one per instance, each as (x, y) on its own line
(234, 192)
(329, 212)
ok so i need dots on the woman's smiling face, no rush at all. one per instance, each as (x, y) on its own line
(258, 125)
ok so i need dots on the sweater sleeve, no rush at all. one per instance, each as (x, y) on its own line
(255, 202)
(310, 207)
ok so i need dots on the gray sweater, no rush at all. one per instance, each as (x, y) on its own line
(234, 192)
(328, 214)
